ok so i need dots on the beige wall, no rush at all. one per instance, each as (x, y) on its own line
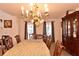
(58, 30)
(39, 29)
(22, 28)
(9, 31)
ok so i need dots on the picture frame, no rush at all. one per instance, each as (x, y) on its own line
(7, 23)
(0, 20)
(0, 23)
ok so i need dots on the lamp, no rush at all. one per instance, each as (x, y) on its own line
(34, 14)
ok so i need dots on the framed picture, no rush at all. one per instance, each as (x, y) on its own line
(7, 23)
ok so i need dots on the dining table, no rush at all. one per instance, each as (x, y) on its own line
(29, 48)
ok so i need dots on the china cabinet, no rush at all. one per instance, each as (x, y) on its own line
(70, 32)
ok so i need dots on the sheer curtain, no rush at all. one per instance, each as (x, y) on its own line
(30, 28)
(48, 29)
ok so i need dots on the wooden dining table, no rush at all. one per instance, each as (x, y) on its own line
(29, 48)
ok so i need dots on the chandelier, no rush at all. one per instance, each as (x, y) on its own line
(34, 15)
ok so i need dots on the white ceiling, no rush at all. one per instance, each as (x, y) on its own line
(56, 10)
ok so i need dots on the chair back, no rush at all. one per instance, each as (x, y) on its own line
(2, 47)
(58, 48)
(48, 43)
(17, 38)
(4, 38)
(8, 43)
(45, 38)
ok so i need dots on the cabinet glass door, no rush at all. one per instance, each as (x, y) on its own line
(74, 27)
(69, 28)
(65, 28)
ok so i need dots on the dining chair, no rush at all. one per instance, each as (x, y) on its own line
(58, 48)
(18, 38)
(45, 38)
(48, 42)
(2, 47)
(8, 42)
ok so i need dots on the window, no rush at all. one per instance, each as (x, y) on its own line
(30, 29)
(48, 29)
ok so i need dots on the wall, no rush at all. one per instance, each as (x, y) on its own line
(39, 29)
(22, 29)
(9, 31)
(18, 27)
(58, 30)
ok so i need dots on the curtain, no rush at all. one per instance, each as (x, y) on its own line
(44, 28)
(25, 37)
(44, 31)
(52, 24)
(34, 30)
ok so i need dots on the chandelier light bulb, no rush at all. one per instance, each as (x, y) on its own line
(22, 10)
(42, 21)
(27, 13)
(31, 5)
(46, 7)
(38, 13)
(32, 20)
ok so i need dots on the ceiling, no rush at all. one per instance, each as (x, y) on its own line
(56, 10)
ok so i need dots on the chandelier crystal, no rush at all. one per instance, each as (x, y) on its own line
(34, 15)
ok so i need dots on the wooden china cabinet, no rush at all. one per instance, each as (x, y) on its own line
(70, 33)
